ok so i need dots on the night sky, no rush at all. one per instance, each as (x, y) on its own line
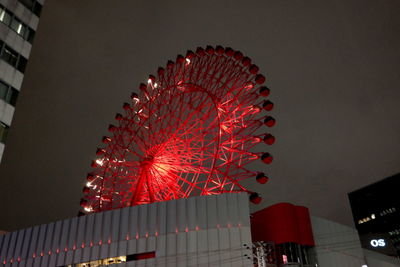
(332, 66)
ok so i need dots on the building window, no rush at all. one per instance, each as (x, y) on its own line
(3, 132)
(32, 5)
(115, 260)
(22, 64)
(10, 56)
(3, 90)
(16, 25)
(29, 35)
(12, 96)
(8, 94)
(13, 58)
(5, 16)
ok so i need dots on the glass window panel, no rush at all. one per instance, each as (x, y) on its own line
(12, 96)
(5, 16)
(3, 132)
(28, 3)
(37, 8)
(33, 5)
(3, 90)
(17, 26)
(22, 64)
(9, 55)
(26, 33)
(21, 30)
(29, 34)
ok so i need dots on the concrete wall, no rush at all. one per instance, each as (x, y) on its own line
(338, 245)
(375, 259)
(199, 231)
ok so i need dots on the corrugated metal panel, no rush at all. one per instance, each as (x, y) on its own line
(33, 242)
(336, 244)
(132, 226)
(18, 248)
(205, 230)
(26, 242)
(115, 233)
(11, 246)
(161, 218)
(49, 239)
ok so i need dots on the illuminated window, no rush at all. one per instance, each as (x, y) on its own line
(115, 260)
(5, 16)
(388, 211)
(18, 26)
(284, 259)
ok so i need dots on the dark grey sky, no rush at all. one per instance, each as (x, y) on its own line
(333, 67)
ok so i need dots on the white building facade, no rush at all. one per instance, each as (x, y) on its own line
(198, 231)
(18, 23)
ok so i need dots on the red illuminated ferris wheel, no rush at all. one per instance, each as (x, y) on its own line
(189, 131)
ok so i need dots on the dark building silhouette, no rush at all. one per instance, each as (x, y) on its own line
(376, 212)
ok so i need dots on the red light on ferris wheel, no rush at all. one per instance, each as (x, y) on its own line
(253, 69)
(255, 198)
(262, 178)
(219, 50)
(268, 105)
(267, 158)
(264, 91)
(246, 62)
(269, 121)
(189, 131)
(269, 139)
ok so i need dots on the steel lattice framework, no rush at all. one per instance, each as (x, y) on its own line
(189, 131)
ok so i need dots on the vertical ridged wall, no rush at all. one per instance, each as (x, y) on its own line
(336, 244)
(198, 231)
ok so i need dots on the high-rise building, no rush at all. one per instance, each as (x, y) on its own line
(18, 23)
(376, 212)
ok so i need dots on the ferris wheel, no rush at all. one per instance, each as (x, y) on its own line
(189, 131)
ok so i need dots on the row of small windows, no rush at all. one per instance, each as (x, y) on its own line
(8, 93)
(98, 263)
(116, 260)
(10, 56)
(388, 211)
(3, 132)
(395, 232)
(367, 219)
(373, 216)
(16, 25)
(33, 6)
